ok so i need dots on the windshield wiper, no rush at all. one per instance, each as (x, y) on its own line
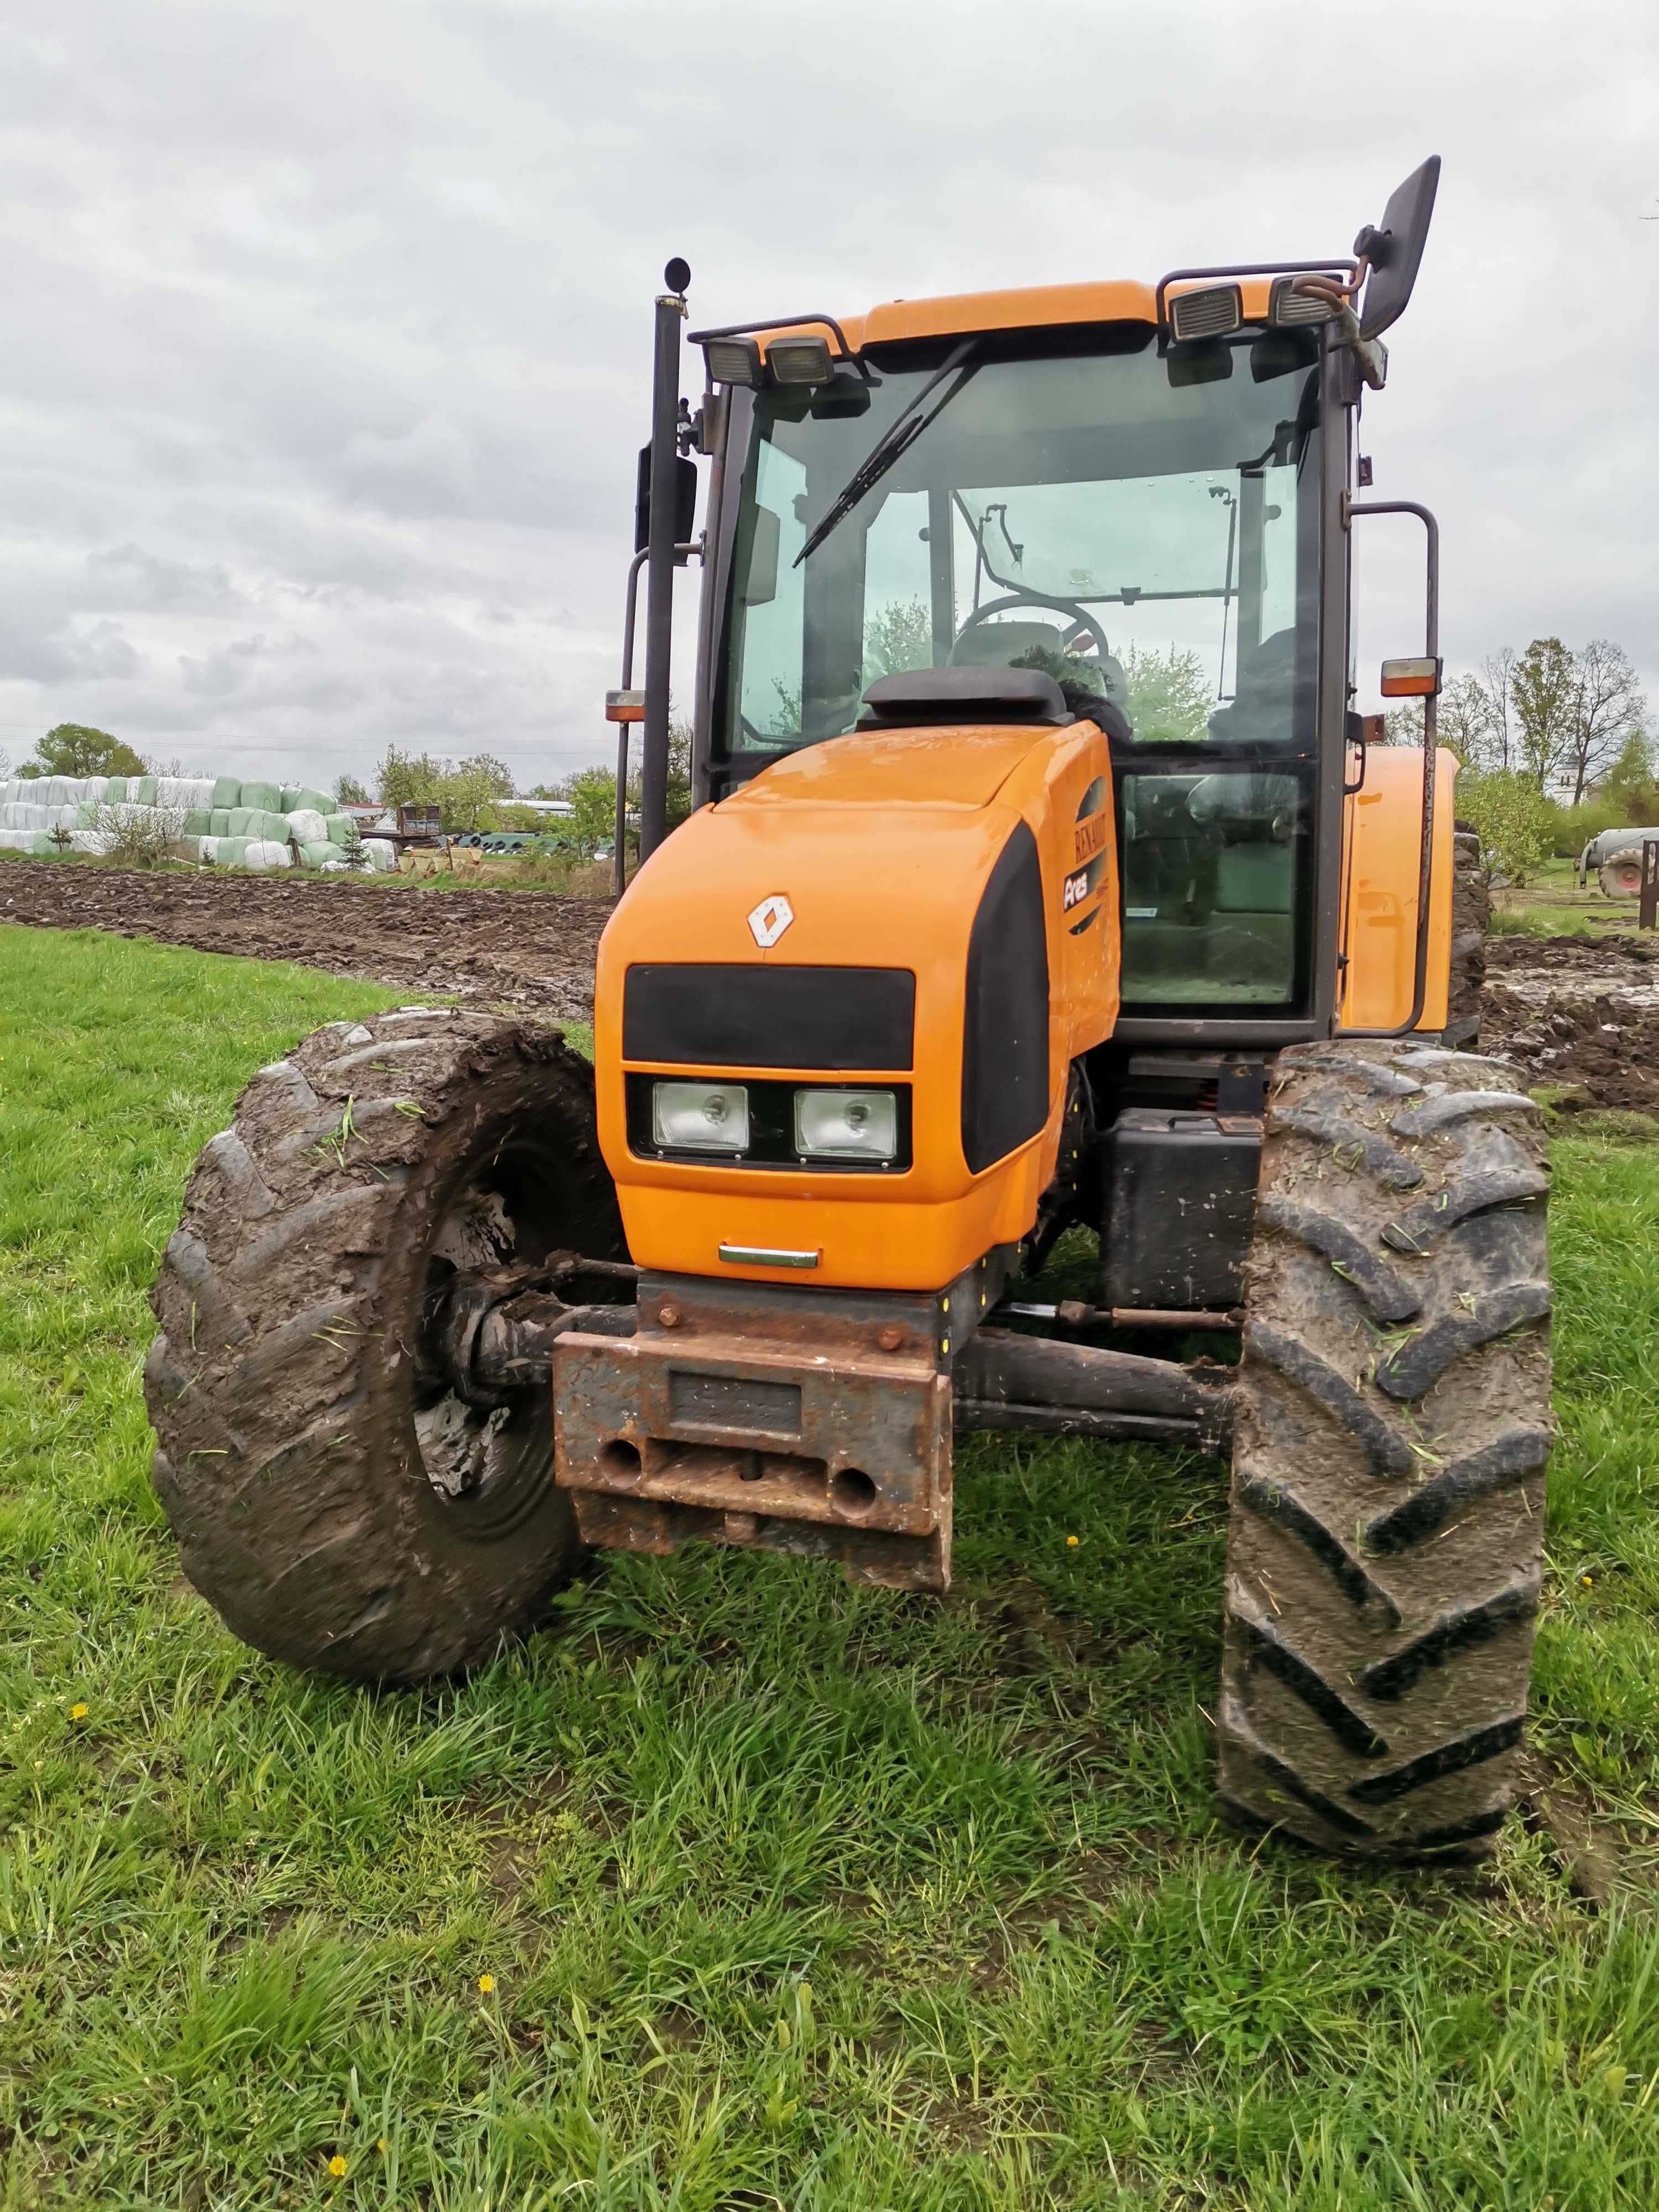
(896, 439)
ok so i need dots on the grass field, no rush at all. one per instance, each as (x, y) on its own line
(741, 1888)
(1551, 905)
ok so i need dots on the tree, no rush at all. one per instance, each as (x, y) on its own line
(1168, 695)
(897, 636)
(1403, 726)
(73, 749)
(1516, 822)
(138, 836)
(592, 792)
(350, 792)
(468, 792)
(1498, 670)
(1465, 719)
(1608, 706)
(1545, 693)
(1629, 783)
(592, 822)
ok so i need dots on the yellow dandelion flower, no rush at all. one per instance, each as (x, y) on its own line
(338, 2167)
(486, 1982)
(1589, 1581)
(79, 1713)
(1071, 1543)
(379, 2145)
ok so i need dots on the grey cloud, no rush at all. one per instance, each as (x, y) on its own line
(145, 580)
(91, 653)
(428, 471)
(329, 329)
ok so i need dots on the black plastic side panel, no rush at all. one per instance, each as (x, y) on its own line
(731, 1015)
(1004, 1045)
(1179, 1202)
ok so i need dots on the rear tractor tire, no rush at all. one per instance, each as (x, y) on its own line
(1621, 878)
(1471, 918)
(336, 1499)
(1393, 1422)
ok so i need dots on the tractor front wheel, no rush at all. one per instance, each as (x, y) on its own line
(1392, 1424)
(335, 1497)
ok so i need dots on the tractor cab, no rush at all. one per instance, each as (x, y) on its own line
(1073, 495)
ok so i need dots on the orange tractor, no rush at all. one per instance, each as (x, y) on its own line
(1040, 883)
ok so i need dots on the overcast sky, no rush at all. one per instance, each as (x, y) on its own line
(326, 347)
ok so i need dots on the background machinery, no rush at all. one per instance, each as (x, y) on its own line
(1045, 907)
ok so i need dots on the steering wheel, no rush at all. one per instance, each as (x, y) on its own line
(1083, 622)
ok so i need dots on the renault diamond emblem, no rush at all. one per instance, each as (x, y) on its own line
(769, 921)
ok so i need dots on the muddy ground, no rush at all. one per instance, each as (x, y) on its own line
(524, 949)
(1579, 1013)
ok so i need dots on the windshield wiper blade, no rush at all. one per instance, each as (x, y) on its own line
(895, 440)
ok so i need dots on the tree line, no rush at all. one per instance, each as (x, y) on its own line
(1554, 748)
(1560, 718)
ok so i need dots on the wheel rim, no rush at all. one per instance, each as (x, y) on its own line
(490, 1466)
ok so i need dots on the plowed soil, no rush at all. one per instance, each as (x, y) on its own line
(1577, 1012)
(524, 949)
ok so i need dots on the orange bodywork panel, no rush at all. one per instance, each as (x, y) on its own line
(1382, 836)
(1025, 308)
(882, 844)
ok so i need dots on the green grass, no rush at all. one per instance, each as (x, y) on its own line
(791, 1895)
(1551, 905)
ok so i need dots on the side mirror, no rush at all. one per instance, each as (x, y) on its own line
(1412, 679)
(760, 581)
(1394, 249)
(685, 501)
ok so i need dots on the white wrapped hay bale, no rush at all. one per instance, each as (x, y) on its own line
(264, 854)
(305, 826)
(184, 791)
(382, 853)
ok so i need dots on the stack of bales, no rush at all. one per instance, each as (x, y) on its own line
(225, 822)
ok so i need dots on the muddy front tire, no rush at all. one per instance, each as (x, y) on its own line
(1393, 1424)
(334, 1498)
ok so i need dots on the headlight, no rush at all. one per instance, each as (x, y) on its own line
(847, 1124)
(700, 1117)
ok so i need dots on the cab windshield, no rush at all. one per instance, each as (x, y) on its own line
(1141, 526)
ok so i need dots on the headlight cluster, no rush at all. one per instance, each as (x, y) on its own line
(829, 1124)
(700, 1117)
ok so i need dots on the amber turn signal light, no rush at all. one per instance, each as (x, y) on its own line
(1411, 679)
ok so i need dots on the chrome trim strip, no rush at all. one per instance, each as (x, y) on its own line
(757, 1256)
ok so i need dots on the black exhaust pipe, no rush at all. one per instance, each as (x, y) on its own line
(661, 535)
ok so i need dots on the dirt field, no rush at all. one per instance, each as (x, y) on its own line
(1574, 1011)
(524, 948)
(1578, 1012)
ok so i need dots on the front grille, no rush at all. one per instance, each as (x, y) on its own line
(843, 1020)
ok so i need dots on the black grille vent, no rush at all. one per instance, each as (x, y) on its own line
(846, 1020)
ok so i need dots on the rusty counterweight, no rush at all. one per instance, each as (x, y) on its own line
(816, 1422)
(821, 1422)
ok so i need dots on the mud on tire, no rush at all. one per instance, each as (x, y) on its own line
(333, 1497)
(1393, 1424)
(1471, 918)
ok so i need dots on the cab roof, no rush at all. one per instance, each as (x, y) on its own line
(1032, 306)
